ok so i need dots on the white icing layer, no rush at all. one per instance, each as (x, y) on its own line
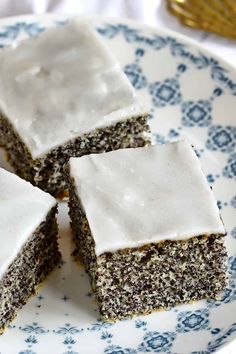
(62, 84)
(22, 209)
(133, 197)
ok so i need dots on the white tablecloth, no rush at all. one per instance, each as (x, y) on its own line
(151, 12)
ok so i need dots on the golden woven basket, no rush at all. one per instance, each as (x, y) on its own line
(218, 16)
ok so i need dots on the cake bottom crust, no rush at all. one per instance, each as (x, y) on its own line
(151, 278)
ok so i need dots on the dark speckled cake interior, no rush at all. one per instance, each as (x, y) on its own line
(64, 94)
(28, 242)
(141, 261)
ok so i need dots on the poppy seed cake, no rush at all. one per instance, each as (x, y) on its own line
(147, 227)
(28, 242)
(63, 94)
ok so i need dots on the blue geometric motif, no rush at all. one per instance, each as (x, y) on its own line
(156, 342)
(31, 340)
(140, 324)
(233, 202)
(177, 49)
(230, 169)
(115, 349)
(68, 329)
(99, 326)
(220, 340)
(159, 139)
(134, 73)
(34, 328)
(172, 134)
(232, 267)
(233, 232)
(69, 341)
(165, 93)
(217, 92)
(106, 336)
(228, 296)
(196, 113)
(132, 35)
(139, 52)
(192, 321)
(221, 138)
(13, 31)
(210, 178)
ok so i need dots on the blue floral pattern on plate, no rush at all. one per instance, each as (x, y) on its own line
(134, 73)
(156, 342)
(222, 138)
(165, 93)
(230, 169)
(63, 318)
(196, 113)
(192, 320)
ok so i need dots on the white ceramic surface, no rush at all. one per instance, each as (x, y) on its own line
(190, 94)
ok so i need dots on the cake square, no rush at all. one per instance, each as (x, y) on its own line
(28, 242)
(64, 94)
(147, 227)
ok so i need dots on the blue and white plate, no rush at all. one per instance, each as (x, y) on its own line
(191, 94)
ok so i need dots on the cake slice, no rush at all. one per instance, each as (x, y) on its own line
(28, 242)
(63, 94)
(147, 227)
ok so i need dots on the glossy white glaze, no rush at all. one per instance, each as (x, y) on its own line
(62, 84)
(133, 197)
(22, 209)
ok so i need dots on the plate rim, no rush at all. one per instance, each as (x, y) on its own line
(165, 32)
(162, 31)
